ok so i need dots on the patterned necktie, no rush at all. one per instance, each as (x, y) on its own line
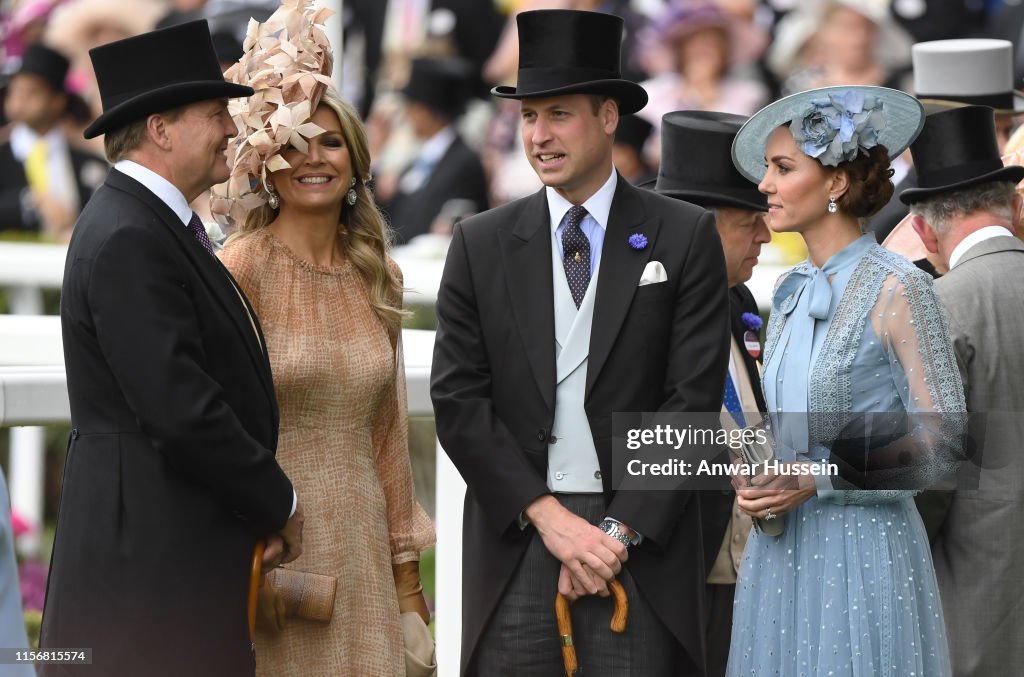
(732, 401)
(195, 225)
(576, 254)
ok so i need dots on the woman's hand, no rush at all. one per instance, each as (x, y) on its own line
(773, 494)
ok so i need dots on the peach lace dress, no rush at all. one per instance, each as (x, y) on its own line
(343, 443)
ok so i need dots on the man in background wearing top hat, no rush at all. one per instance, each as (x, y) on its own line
(951, 73)
(696, 166)
(170, 476)
(587, 298)
(965, 210)
(446, 169)
(43, 181)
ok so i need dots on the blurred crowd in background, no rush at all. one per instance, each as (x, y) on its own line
(419, 72)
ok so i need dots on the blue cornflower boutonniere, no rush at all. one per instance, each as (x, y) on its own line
(638, 241)
(752, 336)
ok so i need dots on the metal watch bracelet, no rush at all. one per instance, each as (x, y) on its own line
(612, 529)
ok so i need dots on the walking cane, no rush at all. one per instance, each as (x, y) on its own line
(618, 624)
(254, 586)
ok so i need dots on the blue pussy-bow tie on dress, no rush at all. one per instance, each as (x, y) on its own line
(805, 279)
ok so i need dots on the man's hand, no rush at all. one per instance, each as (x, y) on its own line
(57, 218)
(590, 558)
(291, 535)
(272, 553)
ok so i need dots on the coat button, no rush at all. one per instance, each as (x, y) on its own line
(542, 435)
(559, 475)
(552, 439)
(597, 474)
(74, 433)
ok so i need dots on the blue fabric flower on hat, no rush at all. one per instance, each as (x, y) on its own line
(638, 241)
(836, 129)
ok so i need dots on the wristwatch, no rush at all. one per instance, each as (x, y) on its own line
(611, 528)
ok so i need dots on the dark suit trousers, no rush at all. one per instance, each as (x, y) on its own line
(719, 607)
(522, 640)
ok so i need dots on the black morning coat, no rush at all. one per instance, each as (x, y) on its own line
(170, 475)
(659, 347)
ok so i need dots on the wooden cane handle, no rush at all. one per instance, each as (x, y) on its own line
(255, 575)
(564, 618)
(621, 612)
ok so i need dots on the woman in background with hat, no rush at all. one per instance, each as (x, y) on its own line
(311, 255)
(856, 337)
(705, 48)
(832, 42)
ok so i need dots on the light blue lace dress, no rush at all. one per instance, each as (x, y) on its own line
(849, 588)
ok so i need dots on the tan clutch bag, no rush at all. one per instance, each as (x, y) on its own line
(288, 593)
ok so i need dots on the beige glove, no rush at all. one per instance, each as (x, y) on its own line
(410, 590)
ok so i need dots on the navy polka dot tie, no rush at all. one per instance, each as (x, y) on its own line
(576, 254)
(195, 225)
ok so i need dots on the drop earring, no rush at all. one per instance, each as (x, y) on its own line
(272, 198)
(351, 196)
(832, 206)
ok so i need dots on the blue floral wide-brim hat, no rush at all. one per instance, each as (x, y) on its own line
(831, 124)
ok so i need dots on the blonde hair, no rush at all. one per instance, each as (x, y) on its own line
(369, 237)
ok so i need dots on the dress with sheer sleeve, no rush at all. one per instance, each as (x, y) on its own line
(343, 442)
(849, 587)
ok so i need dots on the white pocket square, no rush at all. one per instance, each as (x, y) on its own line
(653, 274)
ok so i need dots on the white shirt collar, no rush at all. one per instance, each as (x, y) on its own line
(23, 138)
(435, 147)
(159, 186)
(980, 235)
(597, 205)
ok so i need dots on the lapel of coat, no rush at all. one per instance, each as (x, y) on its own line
(739, 303)
(526, 254)
(621, 268)
(216, 277)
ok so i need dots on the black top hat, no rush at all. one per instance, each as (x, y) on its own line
(564, 51)
(52, 67)
(49, 64)
(957, 149)
(157, 71)
(633, 131)
(696, 161)
(441, 84)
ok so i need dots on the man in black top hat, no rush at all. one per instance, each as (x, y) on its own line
(587, 298)
(43, 181)
(628, 152)
(696, 166)
(446, 172)
(171, 477)
(966, 209)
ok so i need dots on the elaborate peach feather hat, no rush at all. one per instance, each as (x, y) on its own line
(287, 61)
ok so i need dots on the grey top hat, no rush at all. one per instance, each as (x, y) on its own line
(696, 164)
(968, 71)
(902, 119)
